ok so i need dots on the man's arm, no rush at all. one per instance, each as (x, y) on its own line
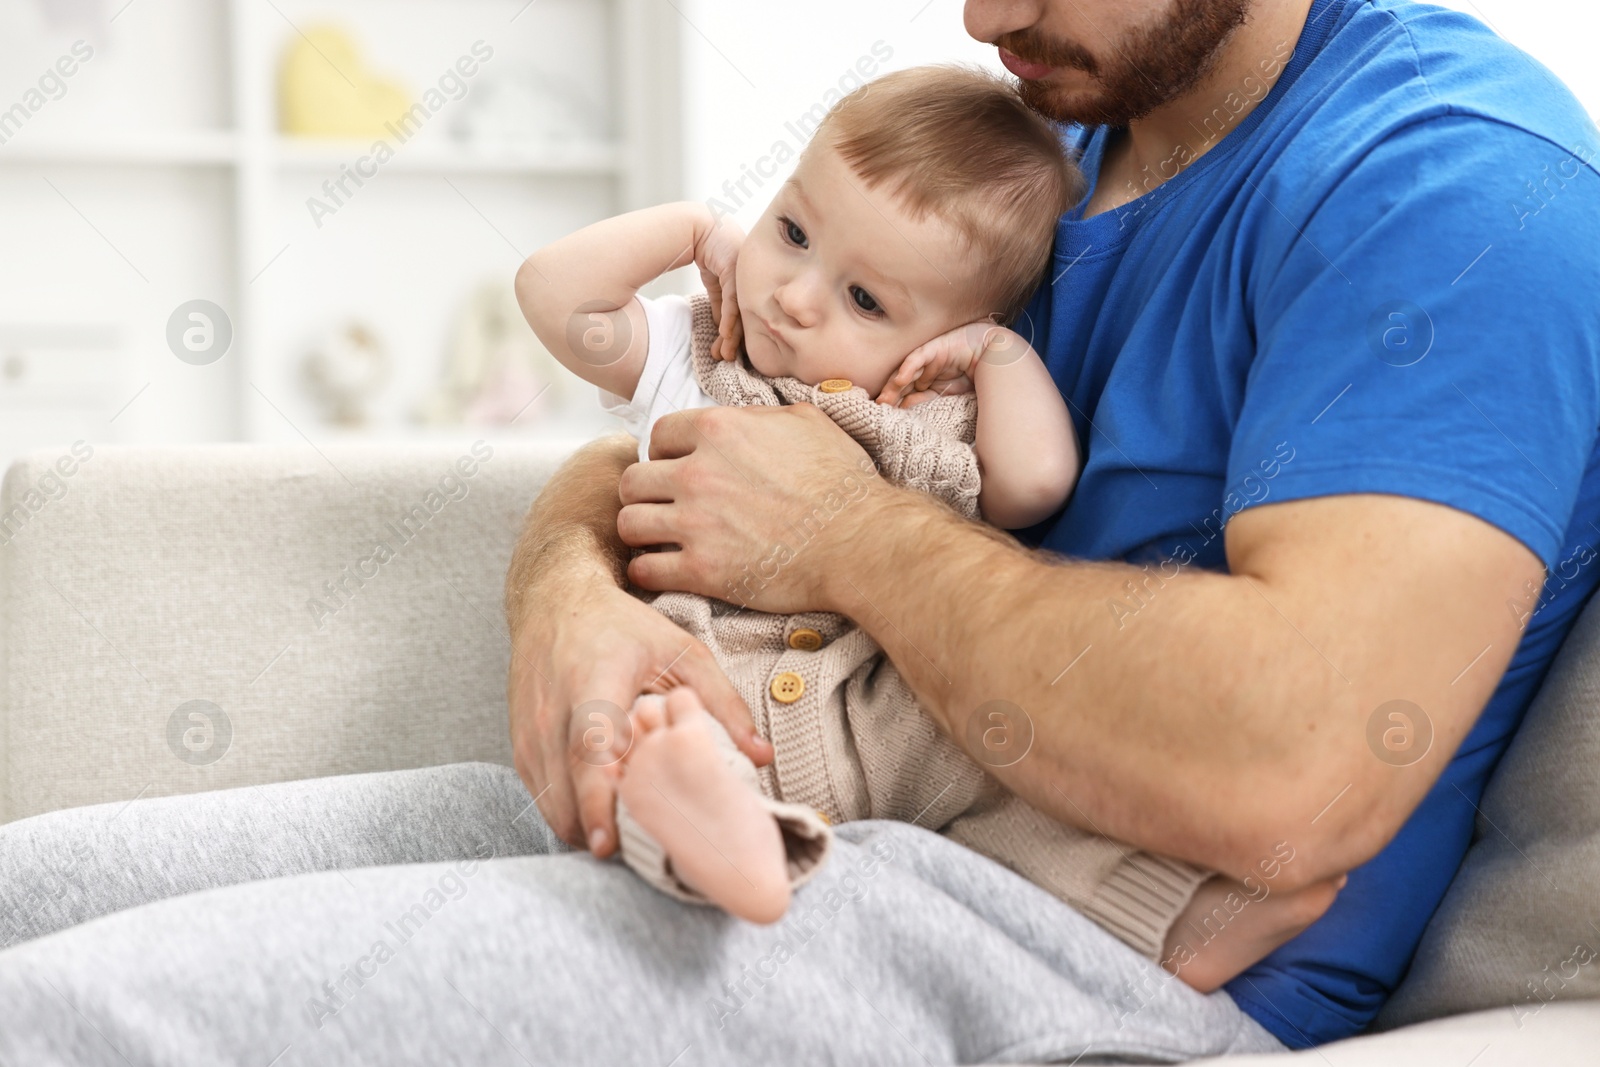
(583, 648)
(1230, 714)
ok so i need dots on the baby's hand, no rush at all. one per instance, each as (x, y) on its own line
(940, 367)
(716, 256)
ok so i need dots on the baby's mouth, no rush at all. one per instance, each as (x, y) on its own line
(769, 335)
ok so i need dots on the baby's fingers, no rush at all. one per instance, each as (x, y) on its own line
(731, 330)
(933, 369)
(906, 375)
(714, 292)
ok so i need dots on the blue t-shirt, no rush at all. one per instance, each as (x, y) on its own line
(1383, 281)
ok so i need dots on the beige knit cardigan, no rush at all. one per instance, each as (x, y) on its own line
(856, 745)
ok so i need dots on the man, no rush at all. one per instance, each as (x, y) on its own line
(1318, 505)
(1282, 318)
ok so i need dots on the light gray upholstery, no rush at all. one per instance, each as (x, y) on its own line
(150, 578)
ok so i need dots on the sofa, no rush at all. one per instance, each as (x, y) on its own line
(192, 618)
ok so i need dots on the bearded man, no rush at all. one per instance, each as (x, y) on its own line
(1295, 601)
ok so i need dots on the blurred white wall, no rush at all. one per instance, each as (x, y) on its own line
(750, 68)
(1559, 33)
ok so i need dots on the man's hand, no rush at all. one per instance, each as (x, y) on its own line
(583, 649)
(762, 502)
(717, 254)
(579, 662)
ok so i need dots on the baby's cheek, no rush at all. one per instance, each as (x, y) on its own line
(880, 367)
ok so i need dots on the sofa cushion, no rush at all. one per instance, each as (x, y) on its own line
(1520, 925)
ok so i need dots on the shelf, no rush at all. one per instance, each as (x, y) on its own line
(219, 148)
(206, 148)
(452, 158)
(199, 197)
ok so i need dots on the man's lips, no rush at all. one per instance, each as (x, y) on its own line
(1022, 68)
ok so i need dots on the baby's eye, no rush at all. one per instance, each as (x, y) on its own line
(864, 300)
(794, 234)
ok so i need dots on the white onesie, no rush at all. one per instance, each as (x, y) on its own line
(667, 383)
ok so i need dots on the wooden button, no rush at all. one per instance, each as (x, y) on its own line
(787, 687)
(824, 817)
(836, 385)
(805, 639)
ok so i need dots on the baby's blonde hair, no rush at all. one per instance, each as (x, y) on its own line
(958, 142)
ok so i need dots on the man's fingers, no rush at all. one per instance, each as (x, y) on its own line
(598, 739)
(647, 483)
(698, 669)
(597, 809)
(676, 435)
(640, 525)
(555, 797)
(659, 571)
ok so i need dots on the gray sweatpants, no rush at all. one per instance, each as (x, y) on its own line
(431, 917)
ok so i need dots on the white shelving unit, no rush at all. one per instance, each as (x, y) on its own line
(199, 195)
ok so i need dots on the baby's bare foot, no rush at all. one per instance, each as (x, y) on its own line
(678, 785)
(1228, 927)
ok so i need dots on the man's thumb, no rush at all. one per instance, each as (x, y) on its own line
(727, 707)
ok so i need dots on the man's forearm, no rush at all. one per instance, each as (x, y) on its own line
(1202, 717)
(570, 534)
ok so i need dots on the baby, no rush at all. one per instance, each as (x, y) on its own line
(877, 285)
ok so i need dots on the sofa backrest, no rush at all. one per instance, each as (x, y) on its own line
(179, 619)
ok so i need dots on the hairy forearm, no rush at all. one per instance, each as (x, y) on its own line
(570, 534)
(1203, 717)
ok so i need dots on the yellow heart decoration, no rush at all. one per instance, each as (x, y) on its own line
(325, 89)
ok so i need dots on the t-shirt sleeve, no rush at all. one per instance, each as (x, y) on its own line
(1426, 326)
(667, 383)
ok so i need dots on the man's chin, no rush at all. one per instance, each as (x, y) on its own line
(1075, 100)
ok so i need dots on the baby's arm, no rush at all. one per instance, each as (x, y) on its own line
(1027, 448)
(578, 294)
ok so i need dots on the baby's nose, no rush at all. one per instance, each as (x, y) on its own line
(798, 301)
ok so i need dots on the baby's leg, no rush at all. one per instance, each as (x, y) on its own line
(1227, 928)
(715, 829)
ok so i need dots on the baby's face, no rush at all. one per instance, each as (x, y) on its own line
(837, 280)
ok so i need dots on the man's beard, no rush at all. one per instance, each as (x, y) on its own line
(1155, 64)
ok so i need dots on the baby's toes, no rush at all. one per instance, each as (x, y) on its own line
(683, 706)
(649, 712)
